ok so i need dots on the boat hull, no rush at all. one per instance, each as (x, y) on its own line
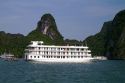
(62, 60)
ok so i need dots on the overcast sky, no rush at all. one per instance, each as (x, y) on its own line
(75, 19)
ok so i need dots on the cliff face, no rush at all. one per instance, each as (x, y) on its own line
(47, 26)
(47, 30)
(110, 41)
(117, 36)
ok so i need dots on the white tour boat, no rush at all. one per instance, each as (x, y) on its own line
(36, 51)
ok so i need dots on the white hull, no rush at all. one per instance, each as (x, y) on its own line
(76, 60)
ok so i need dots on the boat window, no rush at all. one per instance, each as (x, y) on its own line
(30, 56)
(82, 49)
(58, 56)
(34, 56)
(77, 49)
(38, 56)
(39, 43)
(31, 48)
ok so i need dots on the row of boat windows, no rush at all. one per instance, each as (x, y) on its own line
(58, 56)
(39, 48)
(51, 53)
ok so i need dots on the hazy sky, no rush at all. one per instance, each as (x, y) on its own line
(76, 19)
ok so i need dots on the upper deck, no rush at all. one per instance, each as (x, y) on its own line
(40, 44)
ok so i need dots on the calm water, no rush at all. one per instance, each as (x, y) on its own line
(110, 71)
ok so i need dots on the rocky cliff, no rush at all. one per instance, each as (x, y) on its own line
(110, 41)
(47, 31)
(47, 26)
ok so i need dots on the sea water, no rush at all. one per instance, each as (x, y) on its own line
(107, 71)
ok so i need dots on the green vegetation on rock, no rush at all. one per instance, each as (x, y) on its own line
(47, 26)
(12, 43)
(110, 41)
(46, 31)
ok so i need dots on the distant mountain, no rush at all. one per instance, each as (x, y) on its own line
(47, 31)
(12, 43)
(110, 41)
(73, 42)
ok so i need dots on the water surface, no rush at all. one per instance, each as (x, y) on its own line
(109, 71)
